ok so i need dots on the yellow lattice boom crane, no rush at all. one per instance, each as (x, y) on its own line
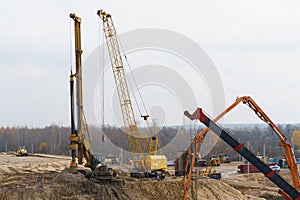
(113, 48)
(138, 145)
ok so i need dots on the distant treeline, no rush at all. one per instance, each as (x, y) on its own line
(51, 139)
(55, 140)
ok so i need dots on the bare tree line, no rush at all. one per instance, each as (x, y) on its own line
(55, 140)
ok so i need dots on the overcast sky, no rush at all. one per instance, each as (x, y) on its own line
(255, 46)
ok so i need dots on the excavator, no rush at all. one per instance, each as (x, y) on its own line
(21, 151)
(144, 149)
(288, 152)
(80, 142)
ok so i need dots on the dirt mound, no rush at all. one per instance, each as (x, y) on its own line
(46, 177)
(76, 186)
(171, 189)
(145, 189)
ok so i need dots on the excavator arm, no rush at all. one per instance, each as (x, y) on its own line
(289, 154)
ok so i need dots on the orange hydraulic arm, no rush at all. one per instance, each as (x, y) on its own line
(289, 155)
(186, 182)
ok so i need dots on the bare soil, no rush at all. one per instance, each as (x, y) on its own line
(47, 177)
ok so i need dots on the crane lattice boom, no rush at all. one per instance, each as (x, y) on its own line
(134, 141)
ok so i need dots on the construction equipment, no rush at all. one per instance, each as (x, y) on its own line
(224, 158)
(210, 168)
(200, 163)
(138, 146)
(289, 155)
(80, 142)
(287, 190)
(213, 161)
(102, 172)
(194, 146)
(210, 172)
(111, 161)
(155, 163)
(248, 168)
(288, 150)
(21, 151)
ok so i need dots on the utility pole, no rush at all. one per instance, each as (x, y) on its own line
(121, 154)
(248, 163)
(264, 162)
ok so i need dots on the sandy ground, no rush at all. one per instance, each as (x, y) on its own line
(45, 177)
(254, 184)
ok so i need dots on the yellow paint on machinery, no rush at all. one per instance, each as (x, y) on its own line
(156, 162)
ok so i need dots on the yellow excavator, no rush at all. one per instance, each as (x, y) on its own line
(21, 151)
(213, 160)
(210, 172)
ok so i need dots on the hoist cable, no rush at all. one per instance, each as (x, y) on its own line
(102, 70)
(133, 78)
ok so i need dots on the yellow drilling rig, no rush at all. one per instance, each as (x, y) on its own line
(80, 142)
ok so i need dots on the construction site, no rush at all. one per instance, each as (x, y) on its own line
(46, 177)
(139, 158)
